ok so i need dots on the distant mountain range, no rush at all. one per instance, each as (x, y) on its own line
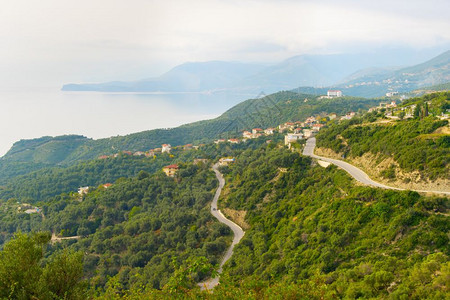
(354, 73)
(376, 82)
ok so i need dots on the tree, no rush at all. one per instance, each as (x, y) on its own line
(184, 277)
(19, 266)
(62, 276)
(23, 277)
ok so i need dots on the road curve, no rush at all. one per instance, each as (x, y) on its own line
(238, 232)
(356, 173)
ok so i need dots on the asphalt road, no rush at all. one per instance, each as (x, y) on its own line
(356, 173)
(238, 232)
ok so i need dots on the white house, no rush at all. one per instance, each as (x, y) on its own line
(348, 116)
(390, 94)
(269, 131)
(307, 133)
(233, 141)
(226, 161)
(292, 138)
(166, 148)
(83, 190)
(247, 135)
(316, 127)
(334, 93)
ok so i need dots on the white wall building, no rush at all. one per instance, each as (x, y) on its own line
(334, 93)
(292, 138)
(166, 148)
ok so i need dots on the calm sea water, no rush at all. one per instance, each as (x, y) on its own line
(31, 113)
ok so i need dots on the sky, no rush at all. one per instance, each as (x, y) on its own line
(52, 42)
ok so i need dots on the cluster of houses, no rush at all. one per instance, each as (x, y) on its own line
(384, 105)
(295, 130)
(257, 132)
(392, 111)
(165, 148)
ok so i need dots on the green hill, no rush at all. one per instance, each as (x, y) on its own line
(271, 110)
(376, 84)
(432, 89)
(410, 150)
(315, 234)
(312, 232)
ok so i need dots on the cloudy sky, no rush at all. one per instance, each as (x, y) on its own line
(57, 41)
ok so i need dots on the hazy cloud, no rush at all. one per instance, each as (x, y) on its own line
(96, 40)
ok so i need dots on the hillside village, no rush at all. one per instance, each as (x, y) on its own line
(397, 112)
(294, 132)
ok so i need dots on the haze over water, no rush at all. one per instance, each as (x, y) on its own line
(32, 113)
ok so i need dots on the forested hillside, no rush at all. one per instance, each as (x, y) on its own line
(271, 110)
(315, 235)
(136, 226)
(418, 145)
(312, 232)
(39, 186)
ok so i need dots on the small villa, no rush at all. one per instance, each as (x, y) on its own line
(226, 161)
(269, 131)
(286, 126)
(292, 138)
(317, 127)
(257, 130)
(170, 170)
(348, 116)
(307, 133)
(83, 190)
(166, 148)
(247, 135)
(334, 93)
(233, 141)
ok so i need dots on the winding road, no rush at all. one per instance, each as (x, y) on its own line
(238, 232)
(356, 173)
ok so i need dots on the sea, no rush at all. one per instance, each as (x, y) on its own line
(27, 113)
